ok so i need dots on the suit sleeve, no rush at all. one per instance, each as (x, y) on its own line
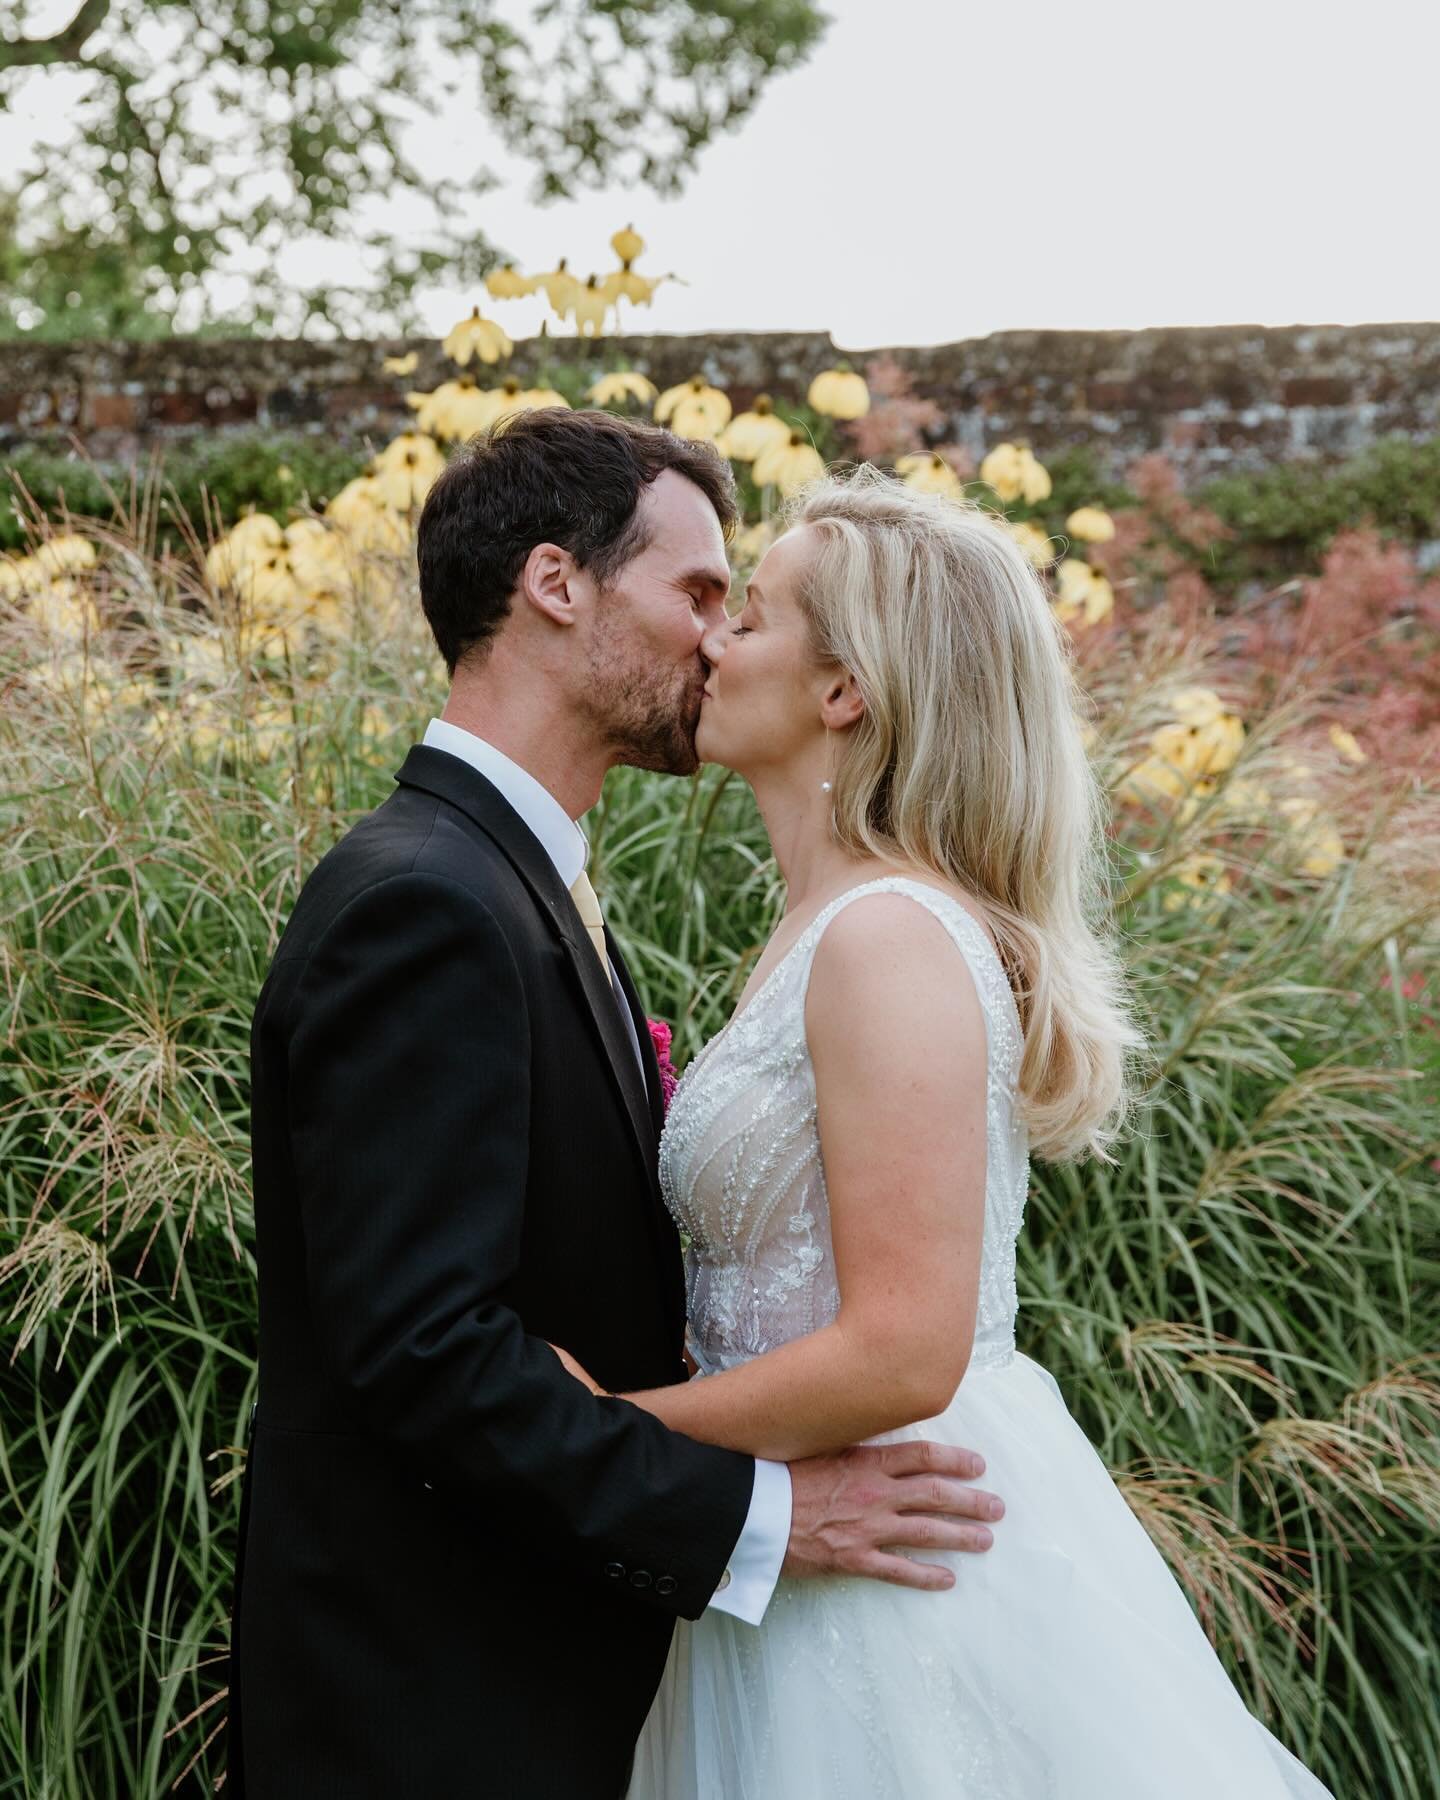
(408, 1084)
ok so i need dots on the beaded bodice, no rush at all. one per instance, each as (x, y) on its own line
(742, 1172)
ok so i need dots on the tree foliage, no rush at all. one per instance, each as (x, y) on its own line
(205, 138)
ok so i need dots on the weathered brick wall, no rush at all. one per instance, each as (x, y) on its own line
(1210, 398)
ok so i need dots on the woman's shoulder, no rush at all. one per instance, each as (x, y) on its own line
(891, 906)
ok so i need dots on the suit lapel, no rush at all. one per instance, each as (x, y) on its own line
(454, 781)
(654, 1092)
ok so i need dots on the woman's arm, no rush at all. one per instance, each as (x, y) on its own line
(897, 1039)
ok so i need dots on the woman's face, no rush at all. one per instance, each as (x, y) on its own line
(761, 706)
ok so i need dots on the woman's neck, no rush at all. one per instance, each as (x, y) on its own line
(797, 815)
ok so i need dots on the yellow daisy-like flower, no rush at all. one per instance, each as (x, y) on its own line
(1039, 548)
(1346, 744)
(247, 540)
(1153, 779)
(695, 392)
(535, 398)
(69, 554)
(1091, 524)
(628, 244)
(749, 545)
(624, 384)
(62, 609)
(401, 365)
(1324, 852)
(624, 284)
(1082, 593)
(1202, 881)
(789, 466)
(928, 473)
(559, 287)
(362, 513)
(507, 283)
(12, 582)
(478, 337)
(1014, 474)
(406, 469)
(750, 434)
(456, 409)
(589, 306)
(840, 394)
(1201, 751)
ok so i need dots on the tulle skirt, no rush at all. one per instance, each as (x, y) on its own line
(1065, 1663)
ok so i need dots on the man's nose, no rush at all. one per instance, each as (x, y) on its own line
(712, 640)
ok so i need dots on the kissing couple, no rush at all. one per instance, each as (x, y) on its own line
(533, 1508)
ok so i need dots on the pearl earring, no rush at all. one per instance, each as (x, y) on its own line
(825, 786)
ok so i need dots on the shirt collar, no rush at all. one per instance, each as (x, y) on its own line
(560, 837)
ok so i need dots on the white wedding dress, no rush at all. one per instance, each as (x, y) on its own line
(1065, 1663)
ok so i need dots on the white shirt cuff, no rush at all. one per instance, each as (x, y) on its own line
(749, 1581)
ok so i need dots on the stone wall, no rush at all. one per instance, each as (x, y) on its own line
(1210, 398)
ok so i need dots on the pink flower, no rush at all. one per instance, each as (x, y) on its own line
(660, 1037)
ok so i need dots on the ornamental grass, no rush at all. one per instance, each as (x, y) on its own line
(1241, 1309)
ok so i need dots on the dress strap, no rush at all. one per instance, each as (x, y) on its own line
(997, 999)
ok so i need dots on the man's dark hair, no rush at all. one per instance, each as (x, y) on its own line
(548, 477)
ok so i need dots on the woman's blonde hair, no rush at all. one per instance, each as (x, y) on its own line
(968, 762)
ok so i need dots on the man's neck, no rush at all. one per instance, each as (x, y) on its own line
(538, 732)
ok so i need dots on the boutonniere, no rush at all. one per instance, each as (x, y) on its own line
(661, 1038)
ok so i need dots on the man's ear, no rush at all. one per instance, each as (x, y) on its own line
(842, 703)
(545, 582)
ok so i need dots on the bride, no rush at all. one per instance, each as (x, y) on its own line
(849, 1160)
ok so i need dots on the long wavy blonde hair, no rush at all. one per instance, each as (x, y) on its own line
(967, 762)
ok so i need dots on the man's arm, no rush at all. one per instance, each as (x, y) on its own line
(408, 1049)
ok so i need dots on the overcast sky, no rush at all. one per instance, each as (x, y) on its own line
(942, 169)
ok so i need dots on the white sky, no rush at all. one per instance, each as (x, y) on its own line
(942, 169)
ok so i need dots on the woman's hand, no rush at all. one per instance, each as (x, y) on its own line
(573, 1368)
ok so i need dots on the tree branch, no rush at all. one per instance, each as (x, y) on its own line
(64, 47)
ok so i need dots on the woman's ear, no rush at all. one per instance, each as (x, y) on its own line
(544, 582)
(842, 702)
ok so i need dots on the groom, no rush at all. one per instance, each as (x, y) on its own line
(459, 1570)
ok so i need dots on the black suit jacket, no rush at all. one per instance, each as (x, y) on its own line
(459, 1572)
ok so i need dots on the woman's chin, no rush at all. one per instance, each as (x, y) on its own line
(708, 746)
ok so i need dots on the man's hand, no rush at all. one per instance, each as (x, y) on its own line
(851, 1511)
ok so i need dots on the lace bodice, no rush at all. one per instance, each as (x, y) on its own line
(742, 1173)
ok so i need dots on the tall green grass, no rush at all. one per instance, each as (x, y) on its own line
(1242, 1311)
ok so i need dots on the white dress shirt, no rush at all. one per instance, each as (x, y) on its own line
(749, 1581)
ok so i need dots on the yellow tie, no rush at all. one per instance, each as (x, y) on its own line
(588, 907)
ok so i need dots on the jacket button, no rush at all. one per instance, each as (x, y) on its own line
(666, 1585)
(641, 1578)
(616, 1571)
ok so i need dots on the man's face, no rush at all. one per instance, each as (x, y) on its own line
(645, 672)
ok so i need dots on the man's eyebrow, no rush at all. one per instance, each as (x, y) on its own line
(707, 578)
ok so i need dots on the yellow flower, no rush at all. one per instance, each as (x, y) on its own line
(249, 538)
(456, 409)
(507, 283)
(625, 384)
(590, 305)
(1346, 745)
(12, 582)
(406, 469)
(1203, 880)
(476, 337)
(1197, 705)
(1324, 852)
(559, 287)
(1245, 799)
(1201, 750)
(1082, 593)
(361, 512)
(694, 393)
(1038, 547)
(1153, 779)
(624, 284)
(318, 558)
(1014, 474)
(1091, 525)
(66, 555)
(628, 244)
(840, 394)
(750, 434)
(62, 609)
(538, 397)
(929, 473)
(789, 466)
(401, 365)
